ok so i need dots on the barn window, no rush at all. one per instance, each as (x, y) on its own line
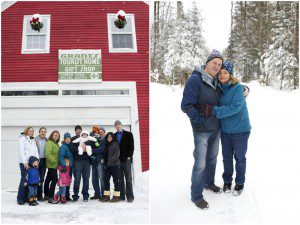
(121, 40)
(34, 41)
(28, 93)
(95, 92)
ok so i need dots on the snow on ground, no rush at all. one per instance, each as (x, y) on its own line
(92, 211)
(271, 190)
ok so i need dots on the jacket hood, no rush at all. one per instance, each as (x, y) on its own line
(84, 132)
(32, 159)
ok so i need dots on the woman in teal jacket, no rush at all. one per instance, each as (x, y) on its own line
(235, 127)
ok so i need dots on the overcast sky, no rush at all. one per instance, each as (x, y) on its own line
(216, 25)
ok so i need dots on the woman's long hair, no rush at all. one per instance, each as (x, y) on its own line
(112, 135)
(51, 136)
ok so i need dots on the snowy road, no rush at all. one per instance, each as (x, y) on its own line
(271, 191)
(89, 212)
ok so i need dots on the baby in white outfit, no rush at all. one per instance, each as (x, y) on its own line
(84, 136)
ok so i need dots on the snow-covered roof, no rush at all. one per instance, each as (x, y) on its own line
(6, 4)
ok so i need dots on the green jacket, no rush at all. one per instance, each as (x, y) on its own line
(52, 154)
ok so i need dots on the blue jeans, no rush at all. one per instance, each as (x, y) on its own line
(125, 171)
(101, 171)
(205, 155)
(32, 191)
(234, 145)
(23, 190)
(98, 176)
(81, 169)
(62, 191)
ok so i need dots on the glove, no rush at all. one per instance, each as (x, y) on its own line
(64, 169)
(206, 110)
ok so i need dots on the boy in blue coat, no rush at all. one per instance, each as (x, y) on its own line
(235, 128)
(33, 179)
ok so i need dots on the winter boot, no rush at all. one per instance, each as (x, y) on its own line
(130, 199)
(55, 199)
(31, 201)
(35, 200)
(50, 200)
(63, 199)
(215, 189)
(238, 189)
(95, 197)
(202, 204)
(106, 196)
(227, 188)
(116, 197)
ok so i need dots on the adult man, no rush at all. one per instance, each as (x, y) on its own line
(41, 143)
(81, 166)
(200, 94)
(98, 166)
(126, 142)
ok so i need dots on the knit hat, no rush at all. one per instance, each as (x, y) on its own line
(214, 54)
(227, 65)
(95, 128)
(84, 132)
(78, 127)
(32, 159)
(118, 122)
(67, 135)
(102, 128)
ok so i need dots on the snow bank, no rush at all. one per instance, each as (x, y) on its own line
(272, 177)
(92, 211)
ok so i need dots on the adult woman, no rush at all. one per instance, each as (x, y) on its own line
(52, 159)
(27, 148)
(235, 127)
(112, 168)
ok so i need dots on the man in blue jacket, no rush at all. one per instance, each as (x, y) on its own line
(201, 92)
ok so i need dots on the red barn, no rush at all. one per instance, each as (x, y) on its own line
(79, 68)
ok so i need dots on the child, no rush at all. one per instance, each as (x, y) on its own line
(112, 168)
(95, 131)
(33, 179)
(84, 136)
(64, 181)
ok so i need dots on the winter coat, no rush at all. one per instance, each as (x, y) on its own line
(52, 153)
(74, 149)
(233, 112)
(98, 152)
(112, 154)
(64, 178)
(40, 149)
(33, 175)
(65, 153)
(27, 148)
(126, 146)
(199, 89)
(82, 140)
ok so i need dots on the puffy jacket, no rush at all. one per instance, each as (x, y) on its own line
(65, 152)
(112, 154)
(27, 148)
(52, 153)
(200, 90)
(233, 112)
(64, 178)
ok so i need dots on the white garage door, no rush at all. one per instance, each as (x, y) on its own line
(63, 112)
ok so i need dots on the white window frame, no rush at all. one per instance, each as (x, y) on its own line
(110, 33)
(24, 36)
